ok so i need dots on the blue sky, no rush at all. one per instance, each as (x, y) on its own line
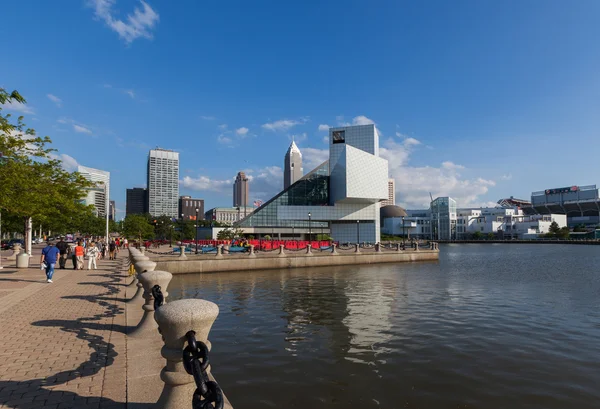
(474, 99)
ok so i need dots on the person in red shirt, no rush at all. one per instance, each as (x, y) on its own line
(79, 253)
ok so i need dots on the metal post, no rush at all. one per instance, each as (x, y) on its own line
(403, 229)
(197, 230)
(171, 237)
(238, 209)
(358, 232)
(309, 228)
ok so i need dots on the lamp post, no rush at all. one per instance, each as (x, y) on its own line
(238, 209)
(403, 229)
(171, 237)
(197, 210)
(309, 228)
(358, 232)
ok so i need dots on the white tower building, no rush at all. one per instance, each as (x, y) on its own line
(97, 195)
(163, 182)
(292, 169)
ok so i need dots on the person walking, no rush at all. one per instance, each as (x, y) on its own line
(50, 255)
(79, 253)
(93, 253)
(71, 253)
(62, 247)
(111, 250)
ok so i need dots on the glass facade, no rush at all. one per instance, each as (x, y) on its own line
(443, 218)
(311, 190)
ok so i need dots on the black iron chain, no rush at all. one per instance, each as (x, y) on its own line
(159, 298)
(208, 394)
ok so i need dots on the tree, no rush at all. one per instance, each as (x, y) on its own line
(563, 233)
(490, 236)
(580, 228)
(229, 233)
(477, 235)
(33, 183)
(137, 226)
(554, 228)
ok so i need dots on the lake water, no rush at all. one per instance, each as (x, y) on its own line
(488, 326)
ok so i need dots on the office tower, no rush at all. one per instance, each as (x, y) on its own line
(292, 168)
(97, 195)
(163, 182)
(188, 206)
(241, 191)
(137, 201)
(391, 200)
(112, 210)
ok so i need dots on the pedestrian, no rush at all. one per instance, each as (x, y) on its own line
(79, 253)
(71, 253)
(92, 253)
(49, 257)
(125, 243)
(62, 247)
(111, 250)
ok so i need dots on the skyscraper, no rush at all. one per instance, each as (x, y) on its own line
(391, 200)
(97, 195)
(112, 210)
(163, 182)
(241, 191)
(137, 201)
(292, 169)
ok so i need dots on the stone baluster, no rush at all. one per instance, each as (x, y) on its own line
(378, 248)
(141, 266)
(143, 249)
(416, 246)
(149, 279)
(397, 246)
(357, 248)
(334, 249)
(281, 250)
(309, 249)
(219, 251)
(182, 251)
(174, 321)
(252, 253)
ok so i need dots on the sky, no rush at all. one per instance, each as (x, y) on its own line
(476, 100)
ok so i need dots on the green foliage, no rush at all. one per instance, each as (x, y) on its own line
(477, 235)
(137, 226)
(580, 228)
(267, 237)
(490, 236)
(563, 233)
(384, 237)
(554, 229)
(323, 237)
(229, 233)
(32, 181)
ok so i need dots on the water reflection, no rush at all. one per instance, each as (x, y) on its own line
(487, 326)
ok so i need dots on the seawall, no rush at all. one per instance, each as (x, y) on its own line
(214, 264)
(580, 242)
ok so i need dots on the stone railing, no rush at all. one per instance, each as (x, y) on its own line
(184, 326)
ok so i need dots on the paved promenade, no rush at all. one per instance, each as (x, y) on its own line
(64, 343)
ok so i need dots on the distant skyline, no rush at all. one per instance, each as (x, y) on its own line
(474, 100)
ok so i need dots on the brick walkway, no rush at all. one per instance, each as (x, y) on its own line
(63, 344)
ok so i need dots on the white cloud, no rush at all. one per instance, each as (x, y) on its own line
(413, 184)
(362, 120)
(17, 107)
(206, 183)
(411, 141)
(265, 182)
(130, 92)
(62, 120)
(243, 131)
(324, 127)
(311, 158)
(69, 163)
(299, 137)
(222, 127)
(282, 124)
(506, 177)
(207, 117)
(55, 99)
(138, 25)
(225, 140)
(81, 129)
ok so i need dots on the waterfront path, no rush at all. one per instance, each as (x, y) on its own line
(64, 343)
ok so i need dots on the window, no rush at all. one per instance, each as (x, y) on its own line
(338, 136)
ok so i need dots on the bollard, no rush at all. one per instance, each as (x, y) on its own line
(219, 251)
(416, 246)
(174, 321)
(141, 267)
(143, 250)
(182, 251)
(149, 279)
(334, 249)
(397, 246)
(378, 247)
(16, 251)
(309, 249)
(281, 250)
(252, 254)
(357, 248)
